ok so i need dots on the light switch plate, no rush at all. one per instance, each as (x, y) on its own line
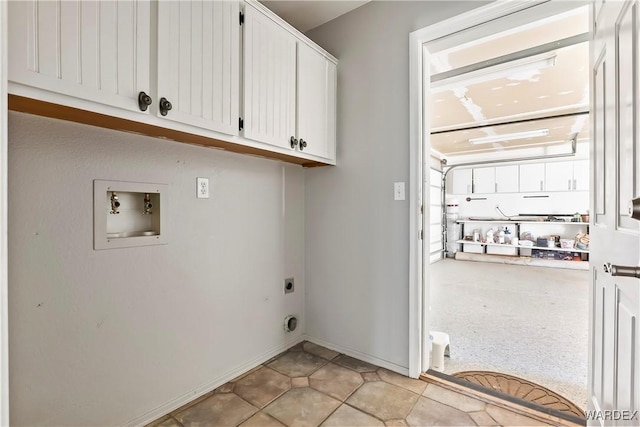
(202, 188)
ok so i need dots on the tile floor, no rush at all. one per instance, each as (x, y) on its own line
(310, 385)
(531, 322)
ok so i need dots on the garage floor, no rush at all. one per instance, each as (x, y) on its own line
(531, 322)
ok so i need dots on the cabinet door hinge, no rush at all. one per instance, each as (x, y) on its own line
(421, 235)
(241, 18)
(240, 123)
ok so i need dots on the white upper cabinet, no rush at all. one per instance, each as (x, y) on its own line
(316, 102)
(269, 80)
(199, 63)
(462, 181)
(581, 175)
(507, 179)
(92, 50)
(559, 176)
(484, 180)
(531, 177)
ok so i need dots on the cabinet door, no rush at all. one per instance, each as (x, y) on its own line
(507, 179)
(269, 80)
(484, 180)
(96, 51)
(316, 101)
(198, 63)
(531, 177)
(559, 176)
(581, 175)
(462, 179)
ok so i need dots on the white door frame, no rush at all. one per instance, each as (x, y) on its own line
(420, 146)
(4, 284)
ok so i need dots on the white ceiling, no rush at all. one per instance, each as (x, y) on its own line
(306, 15)
(561, 87)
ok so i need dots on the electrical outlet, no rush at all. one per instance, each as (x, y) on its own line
(398, 191)
(289, 285)
(202, 188)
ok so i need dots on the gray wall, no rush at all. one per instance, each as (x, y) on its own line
(356, 235)
(103, 337)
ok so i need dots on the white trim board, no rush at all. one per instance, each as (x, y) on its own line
(359, 355)
(4, 280)
(448, 32)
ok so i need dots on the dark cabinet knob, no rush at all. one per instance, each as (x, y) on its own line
(144, 101)
(165, 106)
(294, 142)
(303, 144)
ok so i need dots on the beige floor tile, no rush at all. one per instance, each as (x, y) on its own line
(382, 400)
(262, 386)
(453, 399)
(302, 407)
(226, 388)
(428, 412)
(416, 386)
(345, 415)
(165, 421)
(298, 382)
(297, 364)
(298, 347)
(355, 364)
(370, 376)
(318, 350)
(218, 410)
(335, 381)
(482, 419)
(396, 423)
(508, 418)
(261, 419)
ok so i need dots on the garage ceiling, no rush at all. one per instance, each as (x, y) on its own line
(547, 91)
(305, 15)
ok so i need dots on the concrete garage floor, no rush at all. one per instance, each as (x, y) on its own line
(531, 322)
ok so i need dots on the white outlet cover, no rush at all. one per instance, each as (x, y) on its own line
(202, 188)
(398, 191)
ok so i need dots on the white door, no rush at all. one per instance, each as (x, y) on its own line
(98, 51)
(507, 179)
(269, 80)
(484, 180)
(198, 63)
(313, 101)
(531, 177)
(614, 378)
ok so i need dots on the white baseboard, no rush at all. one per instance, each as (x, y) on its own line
(174, 404)
(403, 370)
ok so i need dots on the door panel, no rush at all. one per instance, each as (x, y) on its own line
(269, 80)
(198, 63)
(507, 179)
(97, 51)
(531, 177)
(615, 238)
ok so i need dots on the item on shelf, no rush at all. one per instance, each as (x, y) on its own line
(526, 235)
(585, 218)
(526, 251)
(582, 241)
(514, 241)
(501, 235)
(541, 242)
(490, 236)
(507, 235)
(576, 217)
(476, 235)
(551, 243)
(567, 243)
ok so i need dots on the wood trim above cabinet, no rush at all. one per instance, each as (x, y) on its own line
(62, 112)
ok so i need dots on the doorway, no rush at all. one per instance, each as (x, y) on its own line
(513, 153)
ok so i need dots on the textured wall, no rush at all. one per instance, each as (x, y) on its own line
(103, 337)
(356, 235)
